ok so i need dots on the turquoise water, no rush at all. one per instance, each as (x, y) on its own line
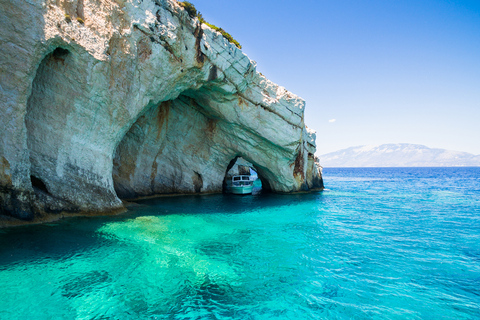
(378, 244)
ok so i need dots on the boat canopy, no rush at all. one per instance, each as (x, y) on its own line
(238, 178)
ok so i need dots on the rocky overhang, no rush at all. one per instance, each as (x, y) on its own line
(104, 100)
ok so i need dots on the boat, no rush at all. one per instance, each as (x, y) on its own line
(242, 184)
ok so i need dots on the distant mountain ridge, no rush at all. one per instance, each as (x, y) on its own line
(398, 155)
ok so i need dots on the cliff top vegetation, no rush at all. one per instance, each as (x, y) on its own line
(192, 12)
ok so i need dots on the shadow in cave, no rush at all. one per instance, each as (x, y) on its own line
(175, 147)
(46, 115)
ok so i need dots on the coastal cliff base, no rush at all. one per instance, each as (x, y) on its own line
(101, 102)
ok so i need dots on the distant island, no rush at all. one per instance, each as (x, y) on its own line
(398, 155)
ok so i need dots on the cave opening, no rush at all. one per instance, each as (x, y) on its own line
(38, 183)
(136, 168)
(180, 146)
(167, 150)
(47, 109)
(239, 167)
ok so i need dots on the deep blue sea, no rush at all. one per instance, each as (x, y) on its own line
(379, 243)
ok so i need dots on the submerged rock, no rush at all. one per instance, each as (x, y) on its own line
(102, 101)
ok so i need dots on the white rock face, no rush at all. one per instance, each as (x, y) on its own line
(128, 98)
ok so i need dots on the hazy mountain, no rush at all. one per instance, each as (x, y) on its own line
(398, 155)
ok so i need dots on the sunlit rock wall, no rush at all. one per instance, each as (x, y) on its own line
(101, 99)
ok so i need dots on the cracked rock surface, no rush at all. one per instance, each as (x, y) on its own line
(108, 99)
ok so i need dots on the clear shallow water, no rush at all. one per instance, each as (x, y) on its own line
(379, 243)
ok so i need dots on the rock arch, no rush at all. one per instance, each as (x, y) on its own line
(185, 144)
(171, 148)
(140, 100)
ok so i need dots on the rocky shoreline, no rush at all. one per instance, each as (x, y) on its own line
(102, 102)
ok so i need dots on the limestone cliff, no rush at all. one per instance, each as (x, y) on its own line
(109, 99)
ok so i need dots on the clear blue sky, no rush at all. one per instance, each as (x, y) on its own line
(387, 71)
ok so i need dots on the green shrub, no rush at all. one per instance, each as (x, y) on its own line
(225, 34)
(67, 18)
(192, 12)
(80, 20)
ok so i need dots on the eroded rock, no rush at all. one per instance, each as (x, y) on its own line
(134, 98)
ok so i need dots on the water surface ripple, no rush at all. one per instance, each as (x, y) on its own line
(378, 244)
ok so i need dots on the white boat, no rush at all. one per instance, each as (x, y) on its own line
(241, 184)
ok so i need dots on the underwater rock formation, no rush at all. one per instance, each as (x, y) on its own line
(103, 100)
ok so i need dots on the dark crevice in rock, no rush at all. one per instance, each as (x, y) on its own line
(200, 56)
(59, 55)
(60, 52)
(39, 184)
(168, 48)
(197, 182)
(299, 165)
